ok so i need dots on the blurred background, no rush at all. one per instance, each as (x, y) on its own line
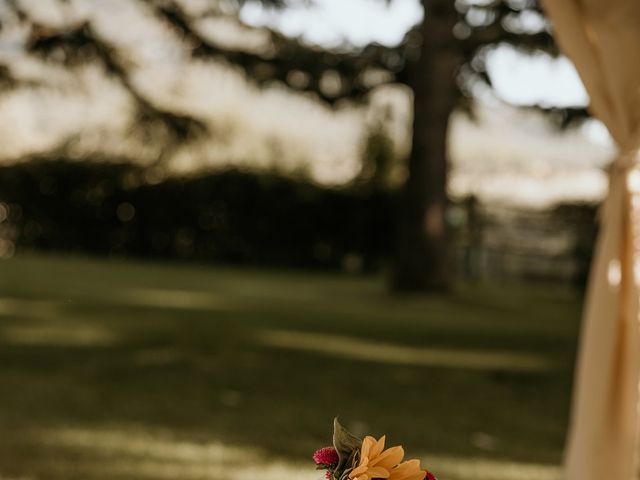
(224, 222)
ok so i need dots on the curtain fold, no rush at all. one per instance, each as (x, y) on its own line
(602, 38)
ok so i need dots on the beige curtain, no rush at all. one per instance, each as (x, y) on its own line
(602, 37)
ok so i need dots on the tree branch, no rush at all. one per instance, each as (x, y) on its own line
(80, 44)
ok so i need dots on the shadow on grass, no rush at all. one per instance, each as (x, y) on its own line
(138, 371)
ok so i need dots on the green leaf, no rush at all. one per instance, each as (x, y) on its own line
(346, 444)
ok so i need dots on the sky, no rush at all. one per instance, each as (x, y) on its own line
(518, 79)
(329, 22)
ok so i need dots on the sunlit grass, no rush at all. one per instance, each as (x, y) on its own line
(379, 352)
(143, 370)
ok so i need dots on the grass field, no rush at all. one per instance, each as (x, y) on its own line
(162, 371)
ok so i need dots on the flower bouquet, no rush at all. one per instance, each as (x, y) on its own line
(353, 459)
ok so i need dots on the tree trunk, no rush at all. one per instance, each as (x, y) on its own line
(422, 260)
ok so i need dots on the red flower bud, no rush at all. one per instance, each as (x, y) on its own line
(326, 456)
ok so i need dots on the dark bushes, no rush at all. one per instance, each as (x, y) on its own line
(229, 216)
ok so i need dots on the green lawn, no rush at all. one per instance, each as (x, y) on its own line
(136, 370)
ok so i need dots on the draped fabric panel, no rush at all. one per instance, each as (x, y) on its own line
(602, 37)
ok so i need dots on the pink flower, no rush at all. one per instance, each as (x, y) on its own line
(326, 456)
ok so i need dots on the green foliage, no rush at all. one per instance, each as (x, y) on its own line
(583, 219)
(379, 161)
(227, 216)
(346, 444)
(231, 217)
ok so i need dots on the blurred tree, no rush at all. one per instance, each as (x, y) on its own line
(422, 262)
(378, 160)
(74, 44)
(442, 60)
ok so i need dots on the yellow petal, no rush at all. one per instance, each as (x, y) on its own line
(377, 448)
(367, 445)
(378, 472)
(415, 476)
(360, 469)
(389, 458)
(409, 470)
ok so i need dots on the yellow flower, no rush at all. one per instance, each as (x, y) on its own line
(409, 470)
(376, 462)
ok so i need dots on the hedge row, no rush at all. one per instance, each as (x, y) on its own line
(230, 216)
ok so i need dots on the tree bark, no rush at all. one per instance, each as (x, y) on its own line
(422, 260)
